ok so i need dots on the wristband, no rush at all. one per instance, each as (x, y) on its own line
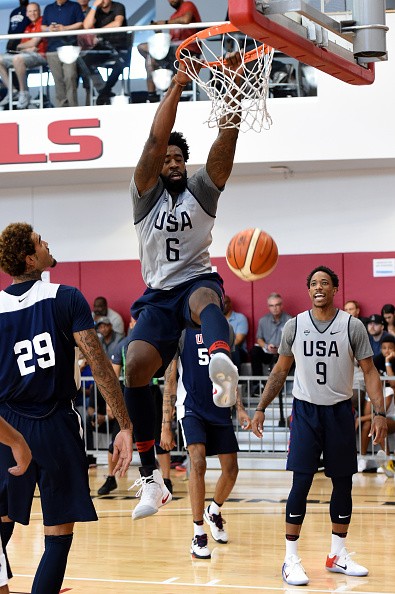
(93, 7)
(262, 410)
(380, 414)
(388, 364)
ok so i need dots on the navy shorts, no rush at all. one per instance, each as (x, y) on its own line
(218, 439)
(162, 315)
(59, 468)
(322, 430)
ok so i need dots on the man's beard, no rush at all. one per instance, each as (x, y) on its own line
(54, 262)
(175, 186)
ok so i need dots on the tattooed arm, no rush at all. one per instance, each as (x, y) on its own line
(169, 400)
(108, 384)
(273, 387)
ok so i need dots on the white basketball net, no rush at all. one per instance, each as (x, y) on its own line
(246, 98)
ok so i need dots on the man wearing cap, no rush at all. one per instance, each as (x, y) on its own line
(376, 332)
(108, 338)
(101, 310)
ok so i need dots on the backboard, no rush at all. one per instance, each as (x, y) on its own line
(344, 43)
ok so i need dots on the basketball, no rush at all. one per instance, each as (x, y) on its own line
(252, 254)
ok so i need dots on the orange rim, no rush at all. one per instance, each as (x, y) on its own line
(220, 30)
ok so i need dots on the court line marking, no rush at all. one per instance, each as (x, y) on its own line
(214, 583)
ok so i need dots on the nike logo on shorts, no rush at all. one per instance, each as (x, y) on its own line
(295, 515)
(342, 517)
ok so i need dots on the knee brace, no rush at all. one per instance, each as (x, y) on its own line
(295, 510)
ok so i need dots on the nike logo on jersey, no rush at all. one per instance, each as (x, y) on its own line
(164, 499)
(342, 517)
(295, 515)
(337, 332)
(23, 298)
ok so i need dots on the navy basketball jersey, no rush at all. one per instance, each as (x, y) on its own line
(195, 389)
(37, 347)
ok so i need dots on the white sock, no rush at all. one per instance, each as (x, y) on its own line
(291, 547)
(198, 530)
(214, 508)
(337, 544)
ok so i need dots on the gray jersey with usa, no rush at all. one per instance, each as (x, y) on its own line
(174, 238)
(324, 355)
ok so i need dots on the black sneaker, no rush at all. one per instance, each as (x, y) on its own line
(108, 486)
(169, 485)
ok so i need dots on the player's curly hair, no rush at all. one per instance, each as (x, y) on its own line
(15, 244)
(177, 139)
(328, 271)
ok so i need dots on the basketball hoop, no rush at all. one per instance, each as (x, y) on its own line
(244, 92)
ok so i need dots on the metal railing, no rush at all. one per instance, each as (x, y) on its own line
(274, 443)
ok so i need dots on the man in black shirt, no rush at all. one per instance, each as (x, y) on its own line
(113, 47)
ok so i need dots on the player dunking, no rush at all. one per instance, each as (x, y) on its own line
(174, 216)
(41, 324)
(323, 342)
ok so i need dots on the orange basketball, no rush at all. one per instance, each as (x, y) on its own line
(252, 254)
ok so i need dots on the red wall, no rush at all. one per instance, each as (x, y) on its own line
(121, 283)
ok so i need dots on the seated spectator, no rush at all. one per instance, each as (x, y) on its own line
(62, 15)
(354, 309)
(376, 332)
(239, 323)
(108, 338)
(385, 360)
(116, 47)
(268, 335)
(101, 309)
(388, 313)
(30, 54)
(185, 13)
(365, 422)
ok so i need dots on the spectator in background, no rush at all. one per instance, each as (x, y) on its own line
(31, 54)
(388, 313)
(62, 15)
(268, 335)
(353, 308)
(84, 6)
(376, 332)
(108, 338)
(185, 13)
(115, 47)
(101, 309)
(18, 23)
(239, 323)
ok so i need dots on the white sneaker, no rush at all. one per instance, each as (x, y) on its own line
(293, 572)
(342, 563)
(225, 378)
(216, 523)
(199, 547)
(23, 100)
(154, 494)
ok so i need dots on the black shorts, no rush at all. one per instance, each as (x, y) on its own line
(317, 430)
(218, 439)
(162, 315)
(59, 467)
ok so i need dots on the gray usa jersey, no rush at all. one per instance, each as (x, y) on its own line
(324, 355)
(174, 239)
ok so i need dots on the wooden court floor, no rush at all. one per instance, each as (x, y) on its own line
(151, 556)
